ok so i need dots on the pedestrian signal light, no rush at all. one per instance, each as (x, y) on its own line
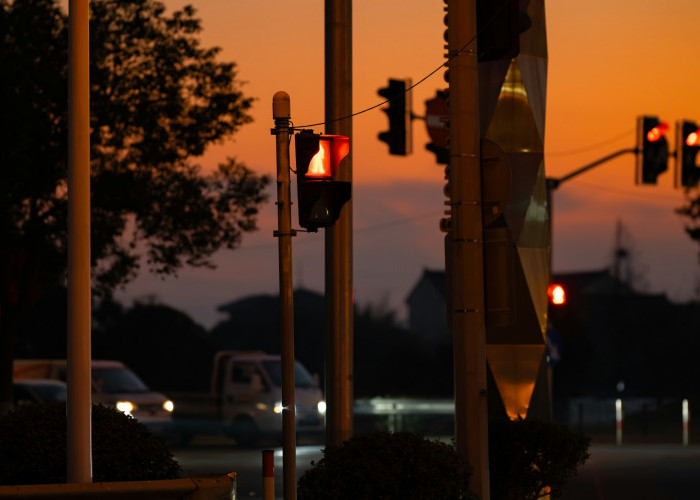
(322, 185)
(687, 147)
(652, 149)
(557, 295)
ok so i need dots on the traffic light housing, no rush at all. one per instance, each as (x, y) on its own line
(321, 192)
(687, 147)
(399, 136)
(652, 149)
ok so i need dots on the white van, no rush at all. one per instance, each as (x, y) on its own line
(245, 400)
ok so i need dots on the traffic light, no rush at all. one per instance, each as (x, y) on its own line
(556, 294)
(399, 136)
(652, 149)
(687, 146)
(321, 194)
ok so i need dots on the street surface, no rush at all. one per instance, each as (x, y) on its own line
(639, 472)
(221, 456)
(635, 472)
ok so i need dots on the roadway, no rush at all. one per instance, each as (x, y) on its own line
(639, 472)
(649, 471)
(219, 455)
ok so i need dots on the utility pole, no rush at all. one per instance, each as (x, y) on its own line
(79, 402)
(281, 112)
(465, 245)
(338, 260)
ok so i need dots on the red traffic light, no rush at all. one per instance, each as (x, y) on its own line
(557, 294)
(657, 132)
(687, 148)
(652, 149)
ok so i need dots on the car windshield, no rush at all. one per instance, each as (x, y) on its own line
(116, 380)
(55, 393)
(302, 378)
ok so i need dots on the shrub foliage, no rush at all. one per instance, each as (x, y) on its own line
(527, 456)
(33, 447)
(386, 466)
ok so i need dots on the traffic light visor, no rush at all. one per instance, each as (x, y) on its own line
(339, 148)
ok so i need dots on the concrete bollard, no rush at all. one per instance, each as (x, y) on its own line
(686, 420)
(618, 421)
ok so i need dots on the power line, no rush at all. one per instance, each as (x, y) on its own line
(372, 227)
(442, 65)
(633, 194)
(590, 147)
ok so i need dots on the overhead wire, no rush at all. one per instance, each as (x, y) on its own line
(590, 147)
(443, 65)
(633, 194)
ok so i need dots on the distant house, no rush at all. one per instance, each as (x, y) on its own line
(253, 323)
(427, 312)
(613, 336)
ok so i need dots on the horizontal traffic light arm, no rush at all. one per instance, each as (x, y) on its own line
(554, 183)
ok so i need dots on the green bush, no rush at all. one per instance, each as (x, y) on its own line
(33, 447)
(526, 456)
(386, 466)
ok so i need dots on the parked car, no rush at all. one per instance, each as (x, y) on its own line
(113, 384)
(31, 391)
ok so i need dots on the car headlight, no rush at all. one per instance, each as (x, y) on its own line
(321, 407)
(125, 407)
(169, 406)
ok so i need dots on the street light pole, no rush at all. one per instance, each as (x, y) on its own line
(338, 259)
(465, 245)
(79, 401)
(281, 112)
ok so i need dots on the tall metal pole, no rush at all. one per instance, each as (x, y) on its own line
(339, 291)
(281, 113)
(79, 403)
(466, 244)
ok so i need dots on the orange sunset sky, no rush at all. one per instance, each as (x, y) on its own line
(609, 61)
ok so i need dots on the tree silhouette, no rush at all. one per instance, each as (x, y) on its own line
(158, 99)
